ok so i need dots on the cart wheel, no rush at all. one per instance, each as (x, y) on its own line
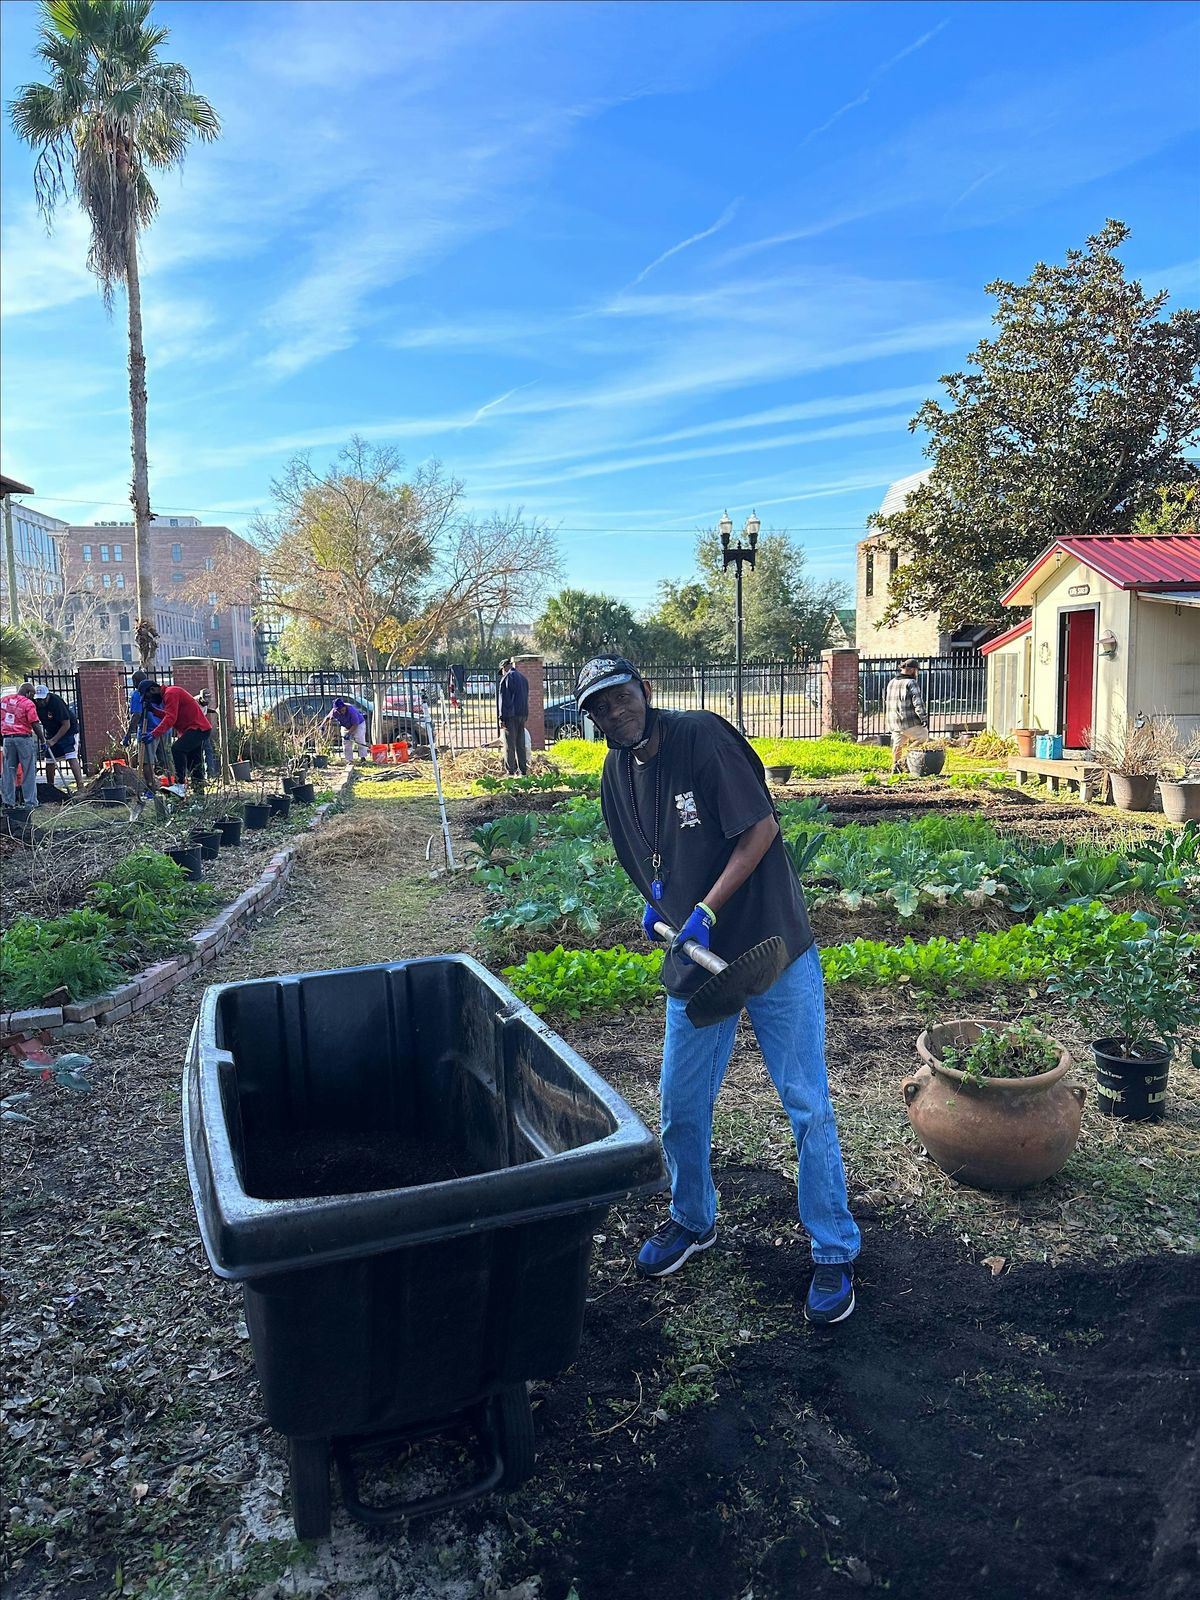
(308, 1469)
(514, 1434)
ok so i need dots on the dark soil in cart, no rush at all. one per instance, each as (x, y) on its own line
(285, 1165)
(1024, 1437)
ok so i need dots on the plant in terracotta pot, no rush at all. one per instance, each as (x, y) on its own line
(1131, 752)
(926, 760)
(1179, 783)
(1140, 997)
(990, 1103)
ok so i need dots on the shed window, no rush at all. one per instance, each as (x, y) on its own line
(870, 585)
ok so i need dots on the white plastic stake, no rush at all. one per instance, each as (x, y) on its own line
(437, 780)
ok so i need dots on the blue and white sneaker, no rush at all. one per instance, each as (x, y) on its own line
(830, 1294)
(670, 1246)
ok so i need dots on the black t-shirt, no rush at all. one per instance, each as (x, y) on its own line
(53, 711)
(708, 787)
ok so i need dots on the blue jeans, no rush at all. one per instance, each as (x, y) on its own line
(789, 1024)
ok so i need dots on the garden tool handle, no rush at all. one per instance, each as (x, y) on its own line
(693, 951)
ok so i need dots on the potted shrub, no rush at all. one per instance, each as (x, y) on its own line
(927, 759)
(990, 1104)
(1141, 996)
(1179, 783)
(1131, 753)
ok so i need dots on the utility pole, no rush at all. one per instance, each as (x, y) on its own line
(739, 554)
(9, 487)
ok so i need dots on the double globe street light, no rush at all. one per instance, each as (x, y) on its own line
(739, 555)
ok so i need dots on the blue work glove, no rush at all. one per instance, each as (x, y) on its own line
(650, 916)
(125, 742)
(148, 738)
(698, 926)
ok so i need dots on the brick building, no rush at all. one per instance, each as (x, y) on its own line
(98, 561)
(878, 564)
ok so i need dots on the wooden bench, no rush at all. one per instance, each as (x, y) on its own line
(1083, 775)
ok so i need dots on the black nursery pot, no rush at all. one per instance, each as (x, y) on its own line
(280, 804)
(230, 829)
(241, 770)
(209, 841)
(257, 815)
(1133, 1088)
(113, 791)
(287, 784)
(304, 794)
(321, 762)
(188, 857)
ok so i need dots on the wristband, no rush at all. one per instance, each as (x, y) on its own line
(708, 911)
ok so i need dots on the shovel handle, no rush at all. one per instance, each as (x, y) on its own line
(693, 951)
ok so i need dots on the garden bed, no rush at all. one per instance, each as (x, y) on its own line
(1009, 1411)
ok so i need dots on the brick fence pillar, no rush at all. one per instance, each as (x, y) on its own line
(195, 673)
(534, 669)
(103, 710)
(839, 691)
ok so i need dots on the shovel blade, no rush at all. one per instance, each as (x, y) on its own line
(726, 993)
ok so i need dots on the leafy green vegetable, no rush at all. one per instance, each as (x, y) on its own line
(569, 982)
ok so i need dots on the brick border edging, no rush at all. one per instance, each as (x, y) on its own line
(79, 1017)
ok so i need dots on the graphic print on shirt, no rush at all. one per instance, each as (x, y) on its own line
(685, 804)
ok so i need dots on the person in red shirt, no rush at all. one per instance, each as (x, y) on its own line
(173, 707)
(22, 733)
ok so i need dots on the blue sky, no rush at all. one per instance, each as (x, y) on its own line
(624, 265)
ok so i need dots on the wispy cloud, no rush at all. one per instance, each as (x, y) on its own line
(864, 94)
(723, 221)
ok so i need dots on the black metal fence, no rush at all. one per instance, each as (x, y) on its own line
(954, 686)
(462, 707)
(780, 699)
(66, 685)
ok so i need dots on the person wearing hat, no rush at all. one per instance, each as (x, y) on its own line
(512, 706)
(693, 824)
(62, 734)
(904, 707)
(351, 719)
(172, 709)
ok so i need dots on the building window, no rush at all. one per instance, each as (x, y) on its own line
(87, 552)
(174, 522)
(215, 647)
(209, 564)
(126, 652)
(176, 549)
(177, 577)
(870, 585)
(123, 622)
(893, 563)
(102, 619)
(118, 553)
(216, 621)
(120, 580)
(104, 552)
(106, 581)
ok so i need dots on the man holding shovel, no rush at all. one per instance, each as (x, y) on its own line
(692, 822)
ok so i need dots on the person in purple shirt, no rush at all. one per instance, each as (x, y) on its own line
(353, 723)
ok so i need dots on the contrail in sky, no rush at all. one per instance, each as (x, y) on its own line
(722, 221)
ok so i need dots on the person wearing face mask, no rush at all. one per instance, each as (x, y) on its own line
(693, 824)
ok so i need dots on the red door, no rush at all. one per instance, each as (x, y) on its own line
(1079, 664)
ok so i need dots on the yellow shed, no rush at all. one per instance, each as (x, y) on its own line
(1114, 632)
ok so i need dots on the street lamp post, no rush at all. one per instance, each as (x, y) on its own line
(739, 554)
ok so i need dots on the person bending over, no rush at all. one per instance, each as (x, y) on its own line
(693, 825)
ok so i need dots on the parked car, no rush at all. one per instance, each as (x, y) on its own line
(316, 708)
(480, 683)
(563, 720)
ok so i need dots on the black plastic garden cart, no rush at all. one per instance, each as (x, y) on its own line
(404, 1168)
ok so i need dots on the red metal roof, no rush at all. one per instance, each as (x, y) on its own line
(1130, 563)
(1006, 638)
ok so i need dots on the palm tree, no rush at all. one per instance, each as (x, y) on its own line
(18, 653)
(111, 111)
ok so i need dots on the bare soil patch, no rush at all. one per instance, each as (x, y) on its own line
(1025, 1434)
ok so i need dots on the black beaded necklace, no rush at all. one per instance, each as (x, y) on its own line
(652, 850)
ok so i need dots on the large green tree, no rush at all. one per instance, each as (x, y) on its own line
(1085, 398)
(785, 612)
(110, 112)
(576, 624)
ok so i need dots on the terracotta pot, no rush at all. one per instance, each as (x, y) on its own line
(1132, 791)
(1005, 1133)
(1024, 738)
(1180, 801)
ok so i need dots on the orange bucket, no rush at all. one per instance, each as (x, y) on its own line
(400, 750)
